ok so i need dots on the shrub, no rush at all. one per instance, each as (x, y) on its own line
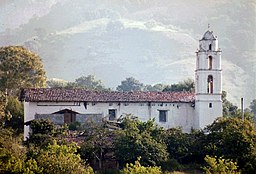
(220, 165)
(137, 168)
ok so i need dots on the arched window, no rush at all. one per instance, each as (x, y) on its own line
(210, 62)
(210, 47)
(210, 84)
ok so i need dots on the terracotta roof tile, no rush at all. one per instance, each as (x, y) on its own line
(66, 95)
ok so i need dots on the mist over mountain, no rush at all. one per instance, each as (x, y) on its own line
(152, 40)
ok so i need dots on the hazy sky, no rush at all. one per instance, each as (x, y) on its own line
(152, 40)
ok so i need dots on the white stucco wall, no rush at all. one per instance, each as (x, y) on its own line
(178, 114)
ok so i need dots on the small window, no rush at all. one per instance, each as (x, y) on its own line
(210, 105)
(112, 114)
(162, 115)
(210, 47)
(210, 62)
(210, 84)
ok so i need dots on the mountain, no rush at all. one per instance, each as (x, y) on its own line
(152, 40)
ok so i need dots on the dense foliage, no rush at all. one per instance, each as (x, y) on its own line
(234, 139)
(130, 84)
(61, 159)
(20, 68)
(186, 85)
(140, 139)
(221, 165)
(137, 168)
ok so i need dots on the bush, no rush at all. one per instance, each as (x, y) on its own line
(137, 168)
(62, 159)
(233, 139)
(74, 126)
(140, 139)
(220, 165)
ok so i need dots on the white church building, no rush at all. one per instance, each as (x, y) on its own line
(169, 109)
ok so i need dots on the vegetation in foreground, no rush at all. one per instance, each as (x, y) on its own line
(226, 146)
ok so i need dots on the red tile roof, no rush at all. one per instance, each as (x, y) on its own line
(70, 95)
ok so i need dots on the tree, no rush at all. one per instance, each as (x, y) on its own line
(61, 159)
(229, 109)
(20, 68)
(253, 107)
(233, 139)
(16, 113)
(184, 147)
(56, 83)
(130, 84)
(140, 139)
(220, 165)
(12, 157)
(186, 85)
(157, 87)
(42, 132)
(89, 82)
(3, 104)
(98, 140)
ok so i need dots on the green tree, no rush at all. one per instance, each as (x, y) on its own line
(98, 140)
(56, 83)
(16, 113)
(253, 107)
(130, 84)
(186, 85)
(229, 109)
(13, 157)
(140, 139)
(157, 87)
(89, 82)
(3, 103)
(62, 159)
(42, 133)
(233, 139)
(220, 165)
(20, 68)
(184, 147)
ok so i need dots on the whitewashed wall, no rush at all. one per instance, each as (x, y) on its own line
(178, 115)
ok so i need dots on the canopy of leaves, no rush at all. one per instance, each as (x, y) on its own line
(42, 132)
(186, 85)
(140, 139)
(16, 112)
(220, 165)
(233, 139)
(253, 107)
(12, 157)
(184, 147)
(89, 82)
(20, 68)
(130, 84)
(62, 159)
(98, 140)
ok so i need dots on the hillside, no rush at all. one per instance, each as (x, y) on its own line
(152, 40)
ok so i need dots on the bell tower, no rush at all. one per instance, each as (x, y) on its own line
(208, 81)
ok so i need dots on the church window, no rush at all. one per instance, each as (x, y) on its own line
(210, 62)
(112, 114)
(162, 115)
(210, 47)
(210, 84)
(210, 105)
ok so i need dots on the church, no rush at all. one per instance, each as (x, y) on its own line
(169, 109)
